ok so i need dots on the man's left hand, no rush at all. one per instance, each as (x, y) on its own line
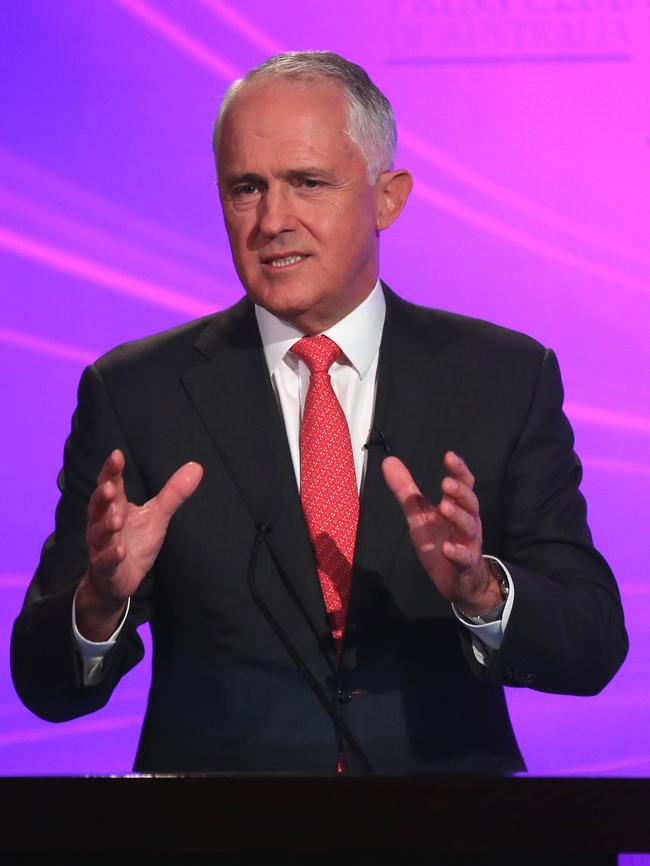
(447, 537)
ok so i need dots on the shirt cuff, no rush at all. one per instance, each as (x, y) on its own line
(488, 635)
(93, 653)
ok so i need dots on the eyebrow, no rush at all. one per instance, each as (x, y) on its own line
(248, 177)
(307, 171)
(290, 174)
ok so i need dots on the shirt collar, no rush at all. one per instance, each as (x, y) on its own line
(358, 335)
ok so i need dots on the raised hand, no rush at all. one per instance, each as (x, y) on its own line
(447, 537)
(123, 542)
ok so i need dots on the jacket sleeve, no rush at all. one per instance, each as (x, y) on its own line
(45, 664)
(566, 632)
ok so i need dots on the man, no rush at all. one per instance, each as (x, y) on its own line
(297, 626)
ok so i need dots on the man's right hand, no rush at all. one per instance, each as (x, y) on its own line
(123, 542)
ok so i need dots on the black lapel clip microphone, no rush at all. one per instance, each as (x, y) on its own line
(378, 439)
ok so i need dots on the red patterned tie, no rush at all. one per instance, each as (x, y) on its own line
(328, 484)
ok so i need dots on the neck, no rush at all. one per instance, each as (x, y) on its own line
(313, 322)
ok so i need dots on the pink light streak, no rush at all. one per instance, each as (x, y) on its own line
(607, 417)
(180, 37)
(524, 239)
(616, 466)
(243, 26)
(14, 581)
(80, 233)
(70, 729)
(99, 274)
(429, 194)
(447, 164)
(635, 589)
(517, 202)
(47, 347)
(611, 766)
(19, 169)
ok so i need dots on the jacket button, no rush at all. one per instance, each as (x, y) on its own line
(343, 695)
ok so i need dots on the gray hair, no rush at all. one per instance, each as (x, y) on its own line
(370, 115)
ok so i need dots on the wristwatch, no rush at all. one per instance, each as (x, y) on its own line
(501, 577)
(494, 613)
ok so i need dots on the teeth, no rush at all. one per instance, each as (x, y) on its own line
(278, 263)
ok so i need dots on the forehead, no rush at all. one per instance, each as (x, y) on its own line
(281, 119)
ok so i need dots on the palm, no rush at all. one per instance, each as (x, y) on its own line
(446, 537)
(124, 539)
(141, 538)
(429, 531)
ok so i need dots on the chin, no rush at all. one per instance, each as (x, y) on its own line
(284, 304)
(288, 312)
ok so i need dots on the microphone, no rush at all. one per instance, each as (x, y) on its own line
(263, 529)
(378, 439)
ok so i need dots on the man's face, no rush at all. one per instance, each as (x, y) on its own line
(299, 208)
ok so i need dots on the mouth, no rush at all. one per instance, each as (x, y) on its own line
(282, 262)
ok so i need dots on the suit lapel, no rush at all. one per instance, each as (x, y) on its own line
(232, 392)
(418, 379)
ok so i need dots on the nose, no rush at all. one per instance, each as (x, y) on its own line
(275, 211)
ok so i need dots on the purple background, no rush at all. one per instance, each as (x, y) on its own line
(527, 126)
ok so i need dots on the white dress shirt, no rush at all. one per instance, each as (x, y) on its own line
(353, 375)
(354, 380)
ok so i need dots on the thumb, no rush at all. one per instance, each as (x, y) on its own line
(399, 480)
(178, 488)
(416, 507)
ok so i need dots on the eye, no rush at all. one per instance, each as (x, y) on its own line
(245, 189)
(310, 183)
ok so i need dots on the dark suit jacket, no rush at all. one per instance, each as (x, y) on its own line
(225, 695)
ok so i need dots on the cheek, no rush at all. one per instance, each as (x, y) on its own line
(354, 234)
(355, 219)
(239, 234)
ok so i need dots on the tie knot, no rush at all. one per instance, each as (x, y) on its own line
(319, 352)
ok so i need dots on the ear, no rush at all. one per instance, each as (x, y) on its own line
(391, 191)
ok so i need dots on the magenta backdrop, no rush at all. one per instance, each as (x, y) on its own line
(527, 126)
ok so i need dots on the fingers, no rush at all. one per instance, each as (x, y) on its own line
(102, 530)
(458, 469)
(459, 505)
(110, 486)
(104, 563)
(178, 488)
(112, 468)
(107, 505)
(464, 523)
(460, 494)
(459, 554)
(447, 538)
(105, 498)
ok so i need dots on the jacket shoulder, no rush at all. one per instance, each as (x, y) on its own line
(478, 334)
(173, 349)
